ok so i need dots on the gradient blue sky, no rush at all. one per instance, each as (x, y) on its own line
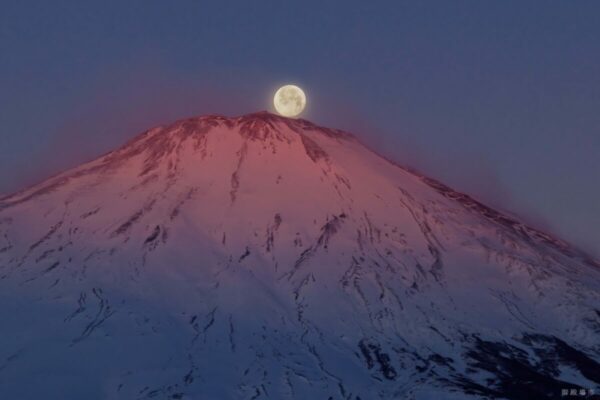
(499, 99)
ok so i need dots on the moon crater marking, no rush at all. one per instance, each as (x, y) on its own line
(289, 100)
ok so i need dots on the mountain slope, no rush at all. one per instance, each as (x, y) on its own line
(261, 257)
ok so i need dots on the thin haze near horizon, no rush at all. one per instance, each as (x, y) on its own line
(500, 100)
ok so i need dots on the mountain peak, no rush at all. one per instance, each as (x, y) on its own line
(253, 123)
(166, 148)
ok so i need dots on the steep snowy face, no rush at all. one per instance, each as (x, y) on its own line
(264, 257)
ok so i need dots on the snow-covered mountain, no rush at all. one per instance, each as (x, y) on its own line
(261, 257)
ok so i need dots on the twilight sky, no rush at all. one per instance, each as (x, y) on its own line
(498, 99)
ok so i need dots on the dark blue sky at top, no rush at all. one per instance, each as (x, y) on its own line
(499, 99)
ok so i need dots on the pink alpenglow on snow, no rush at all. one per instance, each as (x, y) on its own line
(266, 257)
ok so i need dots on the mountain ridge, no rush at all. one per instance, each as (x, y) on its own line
(256, 126)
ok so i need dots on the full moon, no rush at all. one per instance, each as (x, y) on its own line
(289, 101)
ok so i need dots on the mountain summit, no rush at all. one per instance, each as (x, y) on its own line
(261, 257)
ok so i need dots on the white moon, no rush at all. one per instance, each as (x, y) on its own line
(289, 100)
